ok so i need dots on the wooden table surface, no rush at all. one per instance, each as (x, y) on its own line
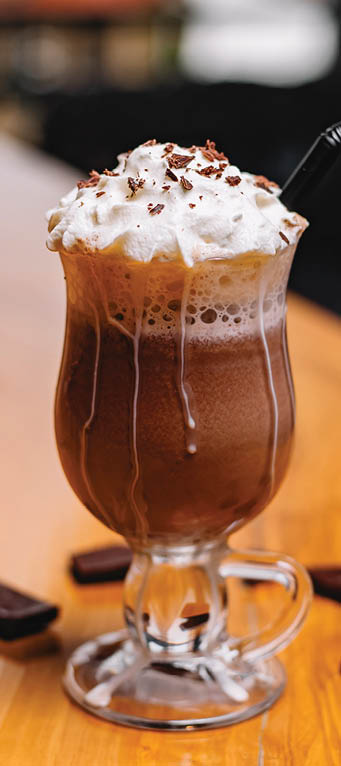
(43, 522)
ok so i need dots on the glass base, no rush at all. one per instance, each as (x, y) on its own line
(113, 678)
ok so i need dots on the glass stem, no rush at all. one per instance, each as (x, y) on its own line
(175, 600)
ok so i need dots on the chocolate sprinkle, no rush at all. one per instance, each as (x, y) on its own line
(180, 160)
(100, 194)
(166, 188)
(191, 204)
(156, 210)
(284, 237)
(185, 183)
(171, 175)
(233, 180)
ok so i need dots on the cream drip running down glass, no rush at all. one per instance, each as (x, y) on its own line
(174, 421)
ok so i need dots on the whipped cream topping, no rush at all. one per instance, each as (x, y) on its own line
(169, 202)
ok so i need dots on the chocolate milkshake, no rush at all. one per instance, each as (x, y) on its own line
(175, 406)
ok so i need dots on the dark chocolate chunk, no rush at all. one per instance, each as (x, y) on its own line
(101, 565)
(22, 615)
(327, 582)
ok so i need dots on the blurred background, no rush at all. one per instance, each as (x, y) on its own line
(85, 79)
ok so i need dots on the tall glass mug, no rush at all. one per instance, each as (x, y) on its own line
(174, 421)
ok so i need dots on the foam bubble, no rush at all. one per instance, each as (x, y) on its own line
(220, 298)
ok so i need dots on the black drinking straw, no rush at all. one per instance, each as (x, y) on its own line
(314, 166)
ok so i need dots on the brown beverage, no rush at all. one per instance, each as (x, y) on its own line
(174, 409)
(174, 422)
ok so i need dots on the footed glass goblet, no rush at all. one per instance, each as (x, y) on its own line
(174, 422)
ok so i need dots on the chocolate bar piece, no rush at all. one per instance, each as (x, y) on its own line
(22, 615)
(327, 582)
(101, 565)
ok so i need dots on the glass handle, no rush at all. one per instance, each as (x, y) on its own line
(274, 567)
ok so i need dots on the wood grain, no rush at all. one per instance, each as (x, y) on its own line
(42, 523)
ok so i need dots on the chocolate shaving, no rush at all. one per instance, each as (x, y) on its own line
(191, 204)
(92, 181)
(210, 152)
(223, 165)
(126, 158)
(192, 149)
(168, 149)
(284, 237)
(289, 223)
(210, 170)
(263, 183)
(185, 183)
(151, 142)
(135, 185)
(100, 194)
(233, 180)
(171, 175)
(107, 172)
(180, 160)
(156, 210)
(207, 154)
(263, 186)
